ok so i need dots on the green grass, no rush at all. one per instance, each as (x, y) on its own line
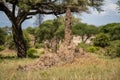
(91, 68)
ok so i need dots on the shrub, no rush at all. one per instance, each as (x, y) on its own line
(3, 35)
(82, 45)
(40, 52)
(26, 38)
(114, 49)
(31, 52)
(30, 30)
(101, 40)
(39, 45)
(2, 48)
(10, 42)
(92, 49)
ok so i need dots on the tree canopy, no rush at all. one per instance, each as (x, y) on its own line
(48, 29)
(84, 30)
(112, 29)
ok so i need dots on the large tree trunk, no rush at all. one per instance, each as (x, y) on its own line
(68, 32)
(19, 41)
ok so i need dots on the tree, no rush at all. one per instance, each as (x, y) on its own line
(113, 30)
(84, 30)
(80, 29)
(91, 30)
(19, 10)
(118, 3)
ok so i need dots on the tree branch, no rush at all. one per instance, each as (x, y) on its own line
(7, 12)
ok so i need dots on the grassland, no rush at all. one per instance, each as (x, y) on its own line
(89, 67)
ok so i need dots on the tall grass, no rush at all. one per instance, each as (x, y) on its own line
(83, 69)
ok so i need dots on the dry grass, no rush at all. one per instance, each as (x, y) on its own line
(88, 67)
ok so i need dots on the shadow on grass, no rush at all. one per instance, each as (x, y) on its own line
(8, 57)
(33, 56)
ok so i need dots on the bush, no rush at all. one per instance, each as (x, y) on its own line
(2, 48)
(3, 35)
(30, 30)
(26, 38)
(92, 49)
(114, 49)
(41, 51)
(39, 45)
(101, 40)
(31, 52)
(10, 42)
(82, 45)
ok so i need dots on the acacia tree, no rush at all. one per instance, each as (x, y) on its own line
(84, 30)
(19, 10)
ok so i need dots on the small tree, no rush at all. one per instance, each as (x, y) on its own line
(84, 30)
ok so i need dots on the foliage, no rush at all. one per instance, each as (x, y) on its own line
(118, 3)
(39, 45)
(114, 49)
(35, 53)
(112, 29)
(82, 45)
(92, 49)
(79, 29)
(75, 5)
(101, 40)
(2, 48)
(26, 38)
(10, 42)
(60, 32)
(41, 51)
(30, 30)
(91, 30)
(31, 52)
(3, 35)
(48, 29)
(88, 48)
(84, 30)
(115, 32)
